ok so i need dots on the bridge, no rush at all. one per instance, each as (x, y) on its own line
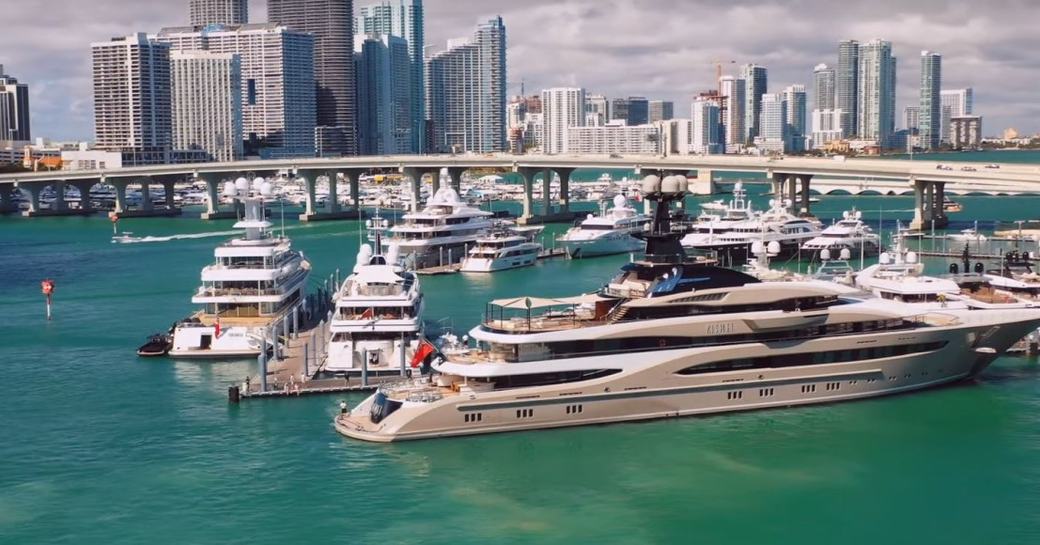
(790, 177)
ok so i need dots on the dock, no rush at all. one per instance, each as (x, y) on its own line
(451, 268)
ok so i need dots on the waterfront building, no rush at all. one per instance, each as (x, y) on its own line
(466, 92)
(705, 131)
(930, 114)
(660, 110)
(131, 82)
(597, 109)
(14, 109)
(823, 87)
(772, 123)
(826, 127)
(966, 131)
(330, 22)
(846, 86)
(206, 97)
(562, 107)
(795, 117)
(638, 111)
(911, 117)
(955, 103)
(877, 92)
(676, 136)
(405, 19)
(619, 110)
(732, 90)
(755, 85)
(383, 69)
(278, 92)
(614, 137)
(218, 12)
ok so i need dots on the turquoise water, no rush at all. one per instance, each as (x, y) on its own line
(103, 447)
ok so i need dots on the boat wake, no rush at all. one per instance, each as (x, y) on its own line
(128, 238)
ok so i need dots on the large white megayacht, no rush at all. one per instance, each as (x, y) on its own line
(441, 233)
(612, 232)
(668, 338)
(378, 316)
(255, 281)
(504, 247)
(850, 232)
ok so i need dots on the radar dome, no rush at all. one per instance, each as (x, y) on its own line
(651, 184)
(825, 254)
(242, 184)
(364, 254)
(257, 182)
(773, 247)
(846, 254)
(266, 189)
(229, 189)
(885, 258)
(911, 257)
(757, 247)
(393, 253)
(669, 185)
(684, 184)
(619, 201)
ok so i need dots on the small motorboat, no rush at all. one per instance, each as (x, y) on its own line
(158, 345)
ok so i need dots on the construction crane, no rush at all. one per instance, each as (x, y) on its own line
(718, 73)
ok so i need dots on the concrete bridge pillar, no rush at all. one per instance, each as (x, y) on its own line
(547, 176)
(414, 176)
(83, 186)
(527, 174)
(455, 173)
(792, 193)
(940, 211)
(120, 187)
(353, 178)
(565, 188)
(31, 191)
(213, 182)
(929, 205)
(779, 185)
(703, 184)
(917, 223)
(805, 180)
(333, 201)
(146, 195)
(60, 204)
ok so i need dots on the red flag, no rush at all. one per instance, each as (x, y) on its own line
(216, 327)
(425, 349)
(369, 313)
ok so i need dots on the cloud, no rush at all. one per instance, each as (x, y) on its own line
(656, 48)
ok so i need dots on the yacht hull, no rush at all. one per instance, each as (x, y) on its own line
(652, 388)
(622, 244)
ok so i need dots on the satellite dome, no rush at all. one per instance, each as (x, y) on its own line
(393, 253)
(825, 254)
(773, 247)
(757, 248)
(229, 189)
(846, 254)
(669, 185)
(911, 257)
(242, 184)
(620, 201)
(651, 184)
(885, 258)
(684, 184)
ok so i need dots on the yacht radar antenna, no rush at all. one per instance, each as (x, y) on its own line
(662, 244)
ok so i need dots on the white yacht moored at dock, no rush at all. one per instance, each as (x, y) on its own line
(255, 280)
(850, 232)
(441, 233)
(505, 247)
(612, 232)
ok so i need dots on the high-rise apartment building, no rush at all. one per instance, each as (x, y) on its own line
(705, 116)
(912, 118)
(132, 98)
(772, 123)
(824, 78)
(955, 103)
(877, 92)
(930, 120)
(660, 110)
(331, 22)
(732, 91)
(218, 12)
(795, 115)
(384, 73)
(278, 93)
(615, 137)
(846, 86)
(562, 107)
(405, 19)
(826, 127)
(966, 131)
(619, 110)
(755, 85)
(597, 110)
(638, 111)
(14, 109)
(206, 97)
(466, 92)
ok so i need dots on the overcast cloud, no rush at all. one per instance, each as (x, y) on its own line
(657, 48)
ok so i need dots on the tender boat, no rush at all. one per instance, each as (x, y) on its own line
(668, 338)
(158, 344)
(254, 282)
(612, 232)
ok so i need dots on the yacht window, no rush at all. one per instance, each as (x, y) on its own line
(811, 358)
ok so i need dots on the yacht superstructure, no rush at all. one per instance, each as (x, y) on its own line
(669, 338)
(441, 233)
(774, 225)
(504, 247)
(612, 232)
(377, 318)
(850, 232)
(253, 282)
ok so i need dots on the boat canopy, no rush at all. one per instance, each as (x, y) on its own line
(542, 302)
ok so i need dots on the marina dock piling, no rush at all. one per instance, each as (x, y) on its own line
(364, 368)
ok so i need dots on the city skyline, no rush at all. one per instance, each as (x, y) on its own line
(606, 55)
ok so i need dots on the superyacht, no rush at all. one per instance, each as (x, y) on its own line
(614, 231)
(668, 338)
(505, 247)
(848, 233)
(441, 233)
(255, 281)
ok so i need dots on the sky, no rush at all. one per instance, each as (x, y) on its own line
(662, 49)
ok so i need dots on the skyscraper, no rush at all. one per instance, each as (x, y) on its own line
(661, 110)
(823, 87)
(466, 92)
(384, 73)
(955, 103)
(911, 118)
(218, 12)
(638, 111)
(705, 115)
(331, 22)
(562, 107)
(597, 110)
(132, 98)
(619, 110)
(732, 89)
(755, 85)
(206, 97)
(278, 102)
(14, 109)
(795, 116)
(772, 122)
(846, 86)
(403, 18)
(930, 121)
(877, 92)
